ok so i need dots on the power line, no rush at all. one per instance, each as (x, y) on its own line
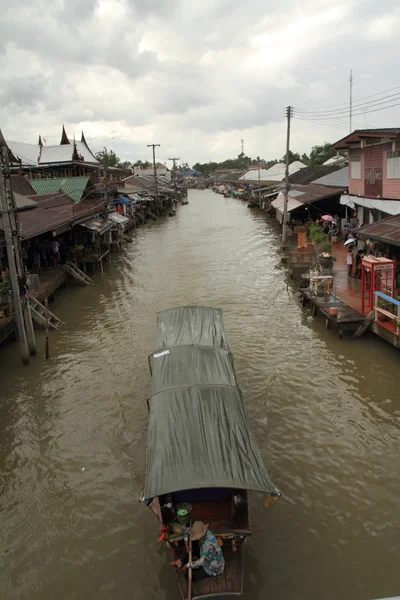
(310, 120)
(359, 109)
(345, 104)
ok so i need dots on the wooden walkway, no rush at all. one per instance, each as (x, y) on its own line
(50, 281)
(347, 318)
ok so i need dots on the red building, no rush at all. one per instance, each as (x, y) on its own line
(374, 173)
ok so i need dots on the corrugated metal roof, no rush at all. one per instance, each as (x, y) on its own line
(387, 230)
(74, 187)
(390, 207)
(274, 173)
(291, 205)
(23, 202)
(338, 178)
(335, 160)
(41, 220)
(21, 185)
(310, 174)
(52, 200)
(306, 194)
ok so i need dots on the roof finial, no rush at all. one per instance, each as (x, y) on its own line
(64, 137)
(2, 140)
(83, 139)
(40, 143)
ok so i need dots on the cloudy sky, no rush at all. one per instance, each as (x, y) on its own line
(195, 77)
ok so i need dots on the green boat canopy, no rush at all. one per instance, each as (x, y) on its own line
(199, 432)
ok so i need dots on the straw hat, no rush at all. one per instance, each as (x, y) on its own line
(199, 530)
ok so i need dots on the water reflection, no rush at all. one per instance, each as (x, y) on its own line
(325, 413)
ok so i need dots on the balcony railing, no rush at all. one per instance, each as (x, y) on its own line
(393, 316)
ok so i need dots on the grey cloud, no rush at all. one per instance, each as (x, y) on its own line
(78, 9)
(69, 42)
(25, 92)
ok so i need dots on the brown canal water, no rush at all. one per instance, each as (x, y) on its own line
(326, 414)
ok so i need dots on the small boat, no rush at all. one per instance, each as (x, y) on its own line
(202, 458)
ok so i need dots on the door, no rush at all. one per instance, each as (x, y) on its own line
(373, 182)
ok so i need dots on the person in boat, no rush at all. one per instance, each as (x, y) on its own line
(211, 560)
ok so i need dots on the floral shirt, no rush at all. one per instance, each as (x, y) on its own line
(211, 557)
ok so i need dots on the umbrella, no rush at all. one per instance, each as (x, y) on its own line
(328, 218)
(350, 241)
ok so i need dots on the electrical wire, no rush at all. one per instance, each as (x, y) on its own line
(372, 103)
(346, 104)
(356, 111)
(310, 120)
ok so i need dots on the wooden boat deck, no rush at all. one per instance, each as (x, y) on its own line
(347, 319)
(228, 585)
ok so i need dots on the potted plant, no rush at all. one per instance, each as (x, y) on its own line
(386, 305)
(325, 254)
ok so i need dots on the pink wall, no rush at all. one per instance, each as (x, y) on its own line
(356, 186)
(391, 187)
(374, 156)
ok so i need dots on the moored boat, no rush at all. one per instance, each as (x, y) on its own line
(202, 458)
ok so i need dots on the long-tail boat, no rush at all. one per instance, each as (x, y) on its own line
(201, 453)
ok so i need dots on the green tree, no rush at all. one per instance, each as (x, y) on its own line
(319, 154)
(292, 157)
(146, 164)
(305, 159)
(108, 157)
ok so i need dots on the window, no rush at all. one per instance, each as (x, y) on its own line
(393, 165)
(355, 172)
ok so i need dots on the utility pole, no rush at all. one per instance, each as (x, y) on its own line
(21, 272)
(351, 100)
(174, 171)
(7, 210)
(242, 142)
(259, 183)
(113, 138)
(289, 114)
(154, 146)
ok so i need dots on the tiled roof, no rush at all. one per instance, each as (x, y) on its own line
(27, 153)
(74, 187)
(34, 155)
(65, 153)
(56, 154)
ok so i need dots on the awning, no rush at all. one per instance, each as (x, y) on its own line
(199, 433)
(98, 225)
(390, 207)
(117, 218)
(291, 205)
